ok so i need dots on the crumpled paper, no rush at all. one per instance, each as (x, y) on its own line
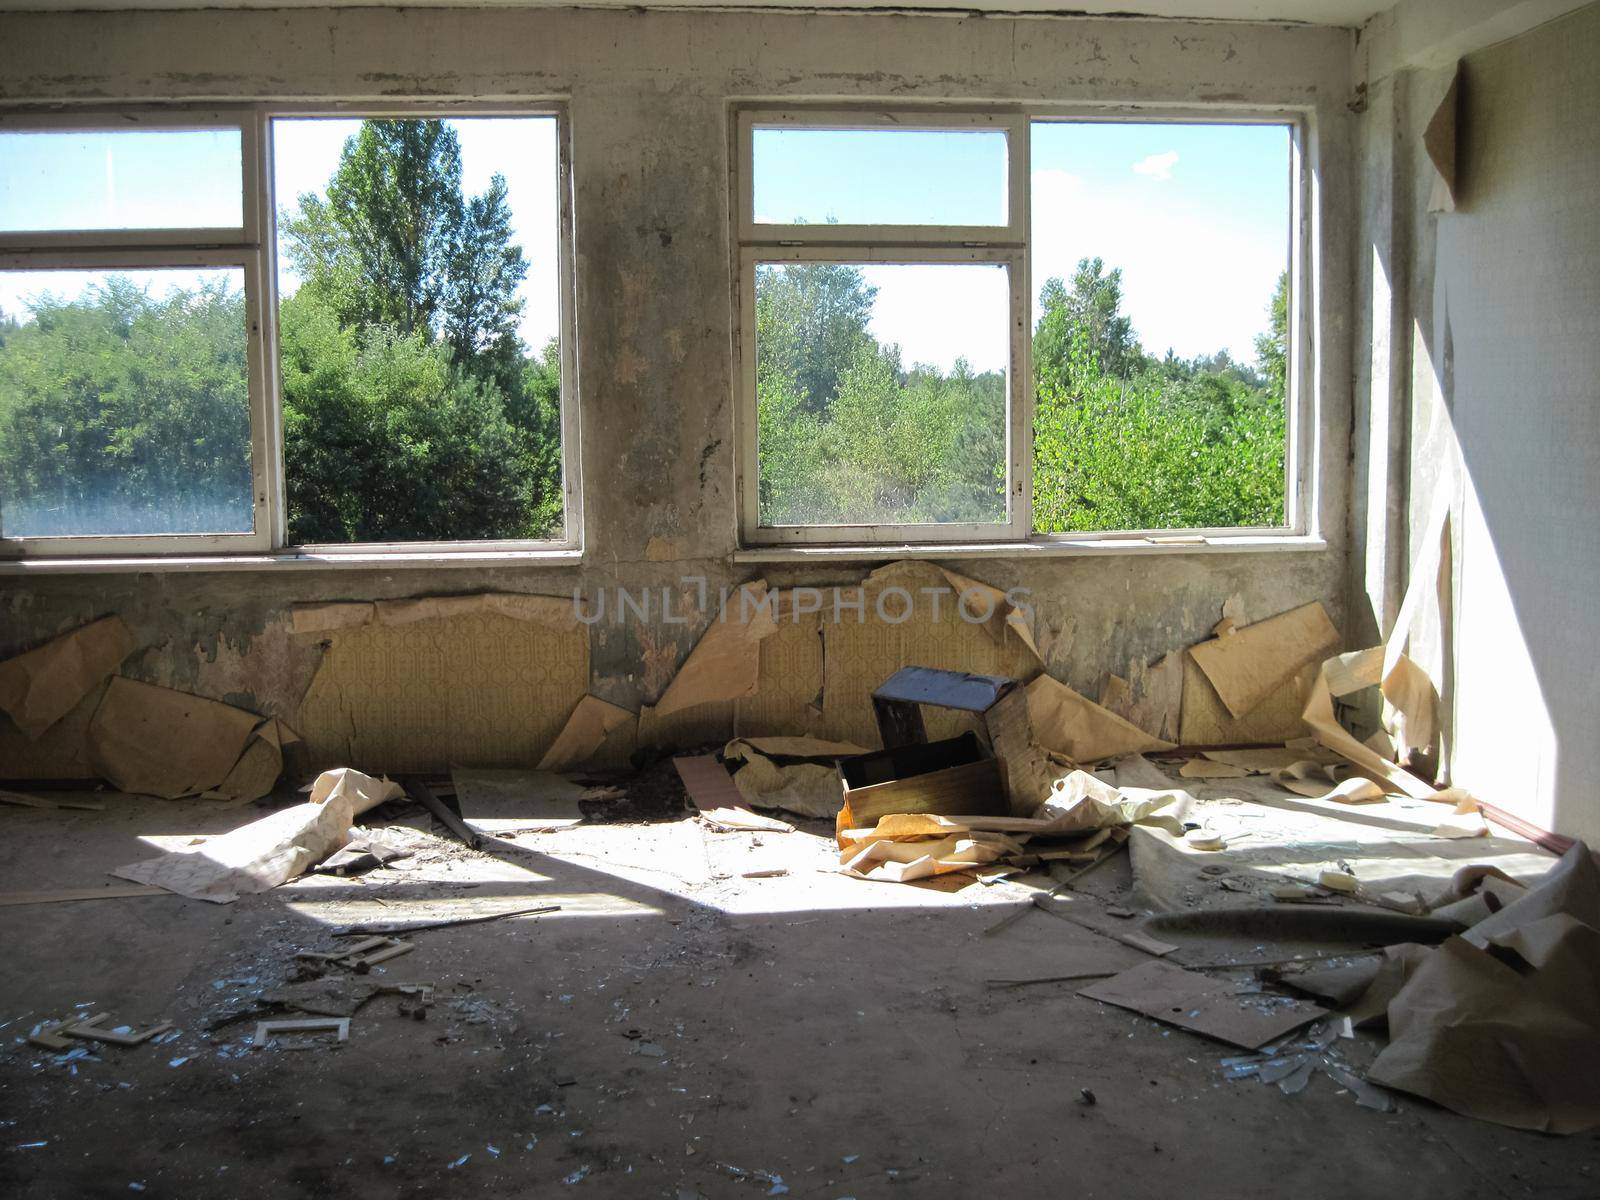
(261, 855)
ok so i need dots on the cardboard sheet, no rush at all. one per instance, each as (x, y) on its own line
(1069, 724)
(725, 663)
(1203, 1005)
(269, 851)
(1206, 721)
(153, 741)
(40, 687)
(712, 792)
(591, 724)
(1247, 665)
(478, 689)
(796, 774)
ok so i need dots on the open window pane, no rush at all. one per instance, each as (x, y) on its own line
(124, 403)
(879, 176)
(53, 180)
(419, 328)
(881, 393)
(1160, 259)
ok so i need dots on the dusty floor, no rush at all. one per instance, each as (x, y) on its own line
(676, 1030)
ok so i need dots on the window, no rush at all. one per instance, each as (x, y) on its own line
(901, 384)
(132, 395)
(339, 332)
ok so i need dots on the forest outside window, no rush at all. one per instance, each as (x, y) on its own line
(341, 332)
(904, 386)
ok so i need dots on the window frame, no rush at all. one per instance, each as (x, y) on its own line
(253, 245)
(109, 249)
(867, 245)
(760, 243)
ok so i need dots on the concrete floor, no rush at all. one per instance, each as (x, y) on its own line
(818, 1037)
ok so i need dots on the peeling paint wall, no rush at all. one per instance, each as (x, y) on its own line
(649, 96)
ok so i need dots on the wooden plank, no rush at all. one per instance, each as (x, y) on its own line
(62, 895)
(24, 800)
(974, 789)
(443, 813)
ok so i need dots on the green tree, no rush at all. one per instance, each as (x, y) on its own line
(1272, 347)
(126, 414)
(1092, 305)
(1124, 442)
(411, 408)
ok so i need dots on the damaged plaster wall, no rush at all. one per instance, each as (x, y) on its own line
(1486, 394)
(649, 95)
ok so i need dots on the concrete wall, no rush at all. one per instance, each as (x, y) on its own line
(649, 96)
(1489, 394)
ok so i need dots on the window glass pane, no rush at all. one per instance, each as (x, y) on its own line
(127, 179)
(1160, 259)
(880, 176)
(881, 393)
(124, 403)
(417, 261)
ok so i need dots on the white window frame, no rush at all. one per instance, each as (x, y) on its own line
(766, 243)
(111, 249)
(253, 246)
(996, 245)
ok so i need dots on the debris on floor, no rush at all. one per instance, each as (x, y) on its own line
(1203, 1005)
(272, 849)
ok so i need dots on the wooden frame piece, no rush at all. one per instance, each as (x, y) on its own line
(339, 1026)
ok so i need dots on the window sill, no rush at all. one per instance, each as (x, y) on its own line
(1086, 547)
(287, 561)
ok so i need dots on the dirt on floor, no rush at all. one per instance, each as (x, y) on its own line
(707, 1015)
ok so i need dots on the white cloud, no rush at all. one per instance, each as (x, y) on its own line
(1157, 166)
(1193, 279)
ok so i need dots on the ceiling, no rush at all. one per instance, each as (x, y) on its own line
(1315, 12)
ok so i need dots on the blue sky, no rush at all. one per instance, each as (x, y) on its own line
(1197, 216)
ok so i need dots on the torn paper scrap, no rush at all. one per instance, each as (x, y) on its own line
(904, 847)
(1319, 715)
(725, 663)
(1247, 665)
(1439, 140)
(712, 793)
(591, 722)
(258, 768)
(272, 850)
(1503, 1022)
(1483, 1038)
(153, 741)
(40, 687)
(993, 609)
(796, 774)
(1070, 724)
